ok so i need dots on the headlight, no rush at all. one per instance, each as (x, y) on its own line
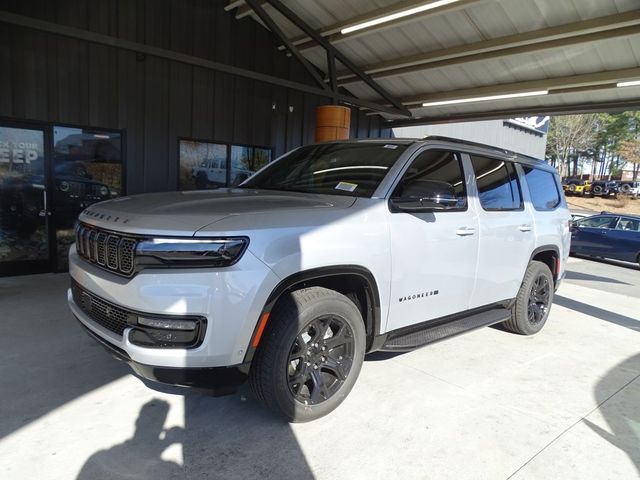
(219, 252)
(64, 186)
(104, 191)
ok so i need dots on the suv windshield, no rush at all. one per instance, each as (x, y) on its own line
(354, 169)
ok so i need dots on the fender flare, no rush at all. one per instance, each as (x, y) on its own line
(314, 274)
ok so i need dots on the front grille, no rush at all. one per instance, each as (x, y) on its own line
(76, 189)
(104, 313)
(108, 250)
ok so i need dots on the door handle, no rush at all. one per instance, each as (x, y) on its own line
(45, 211)
(525, 228)
(465, 231)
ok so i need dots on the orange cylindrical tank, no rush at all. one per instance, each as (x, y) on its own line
(332, 122)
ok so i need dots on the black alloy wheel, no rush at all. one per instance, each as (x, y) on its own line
(532, 305)
(310, 355)
(320, 360)
(539, 299)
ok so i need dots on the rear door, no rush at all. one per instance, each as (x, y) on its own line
(624, 240)
(433, 253)
(507, 230)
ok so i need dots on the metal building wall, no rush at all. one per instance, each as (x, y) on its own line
(491, 132)
(50, 78)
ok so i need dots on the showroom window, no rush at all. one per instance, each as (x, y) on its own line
(207, 165)
(497, 182)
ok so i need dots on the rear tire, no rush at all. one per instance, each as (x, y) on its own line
(533, 303)
(311, 354)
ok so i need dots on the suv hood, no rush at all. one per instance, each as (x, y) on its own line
(180, 213)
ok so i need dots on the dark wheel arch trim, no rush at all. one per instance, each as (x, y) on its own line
(372, 324)
(547, 248)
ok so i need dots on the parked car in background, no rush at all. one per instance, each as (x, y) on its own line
(75, 189)
(604, 188)
(213, 171)
(608, 236)
(630, 188)
(576, 186)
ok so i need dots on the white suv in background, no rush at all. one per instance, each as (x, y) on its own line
(330, 252)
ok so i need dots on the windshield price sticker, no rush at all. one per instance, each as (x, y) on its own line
(346, 186)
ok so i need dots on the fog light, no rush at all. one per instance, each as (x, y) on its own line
(167, 324)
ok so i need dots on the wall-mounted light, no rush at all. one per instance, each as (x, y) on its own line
(394, 16)
(485, 99)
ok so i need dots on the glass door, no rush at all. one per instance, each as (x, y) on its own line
(24, 213)
(87, 168)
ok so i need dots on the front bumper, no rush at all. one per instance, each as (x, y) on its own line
(230, 299)
(215, 380)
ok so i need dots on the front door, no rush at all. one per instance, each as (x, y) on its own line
(434, 253)
(24, 200)
(589, 237)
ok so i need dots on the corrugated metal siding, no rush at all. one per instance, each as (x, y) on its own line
(54, 79)
(491, 132)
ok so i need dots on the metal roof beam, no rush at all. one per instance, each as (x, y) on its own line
(339, 56)
(277, 31)
(571, 109)
(602, 28)
(244, 9)
(401, 6)
(332, 32)
(561, 84)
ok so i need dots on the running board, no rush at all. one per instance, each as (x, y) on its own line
(415, 336)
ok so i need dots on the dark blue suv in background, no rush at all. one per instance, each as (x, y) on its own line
(607, 235)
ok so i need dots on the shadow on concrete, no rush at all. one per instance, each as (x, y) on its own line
(138, 457)
(609, 261)
(223, 438)
(620, 409)
(606, 315)
(570, 275)
(47, 360)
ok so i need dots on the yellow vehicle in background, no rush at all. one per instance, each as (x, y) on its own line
(576, 186)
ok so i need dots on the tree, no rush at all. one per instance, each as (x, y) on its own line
(568, 137)
(629, 150)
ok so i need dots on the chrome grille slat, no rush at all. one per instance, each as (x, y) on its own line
(108, 250)
(112, 251)
(92, 245)
(101, 250)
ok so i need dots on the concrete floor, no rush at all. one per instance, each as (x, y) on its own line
(486, 405)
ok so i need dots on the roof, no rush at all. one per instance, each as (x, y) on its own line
(456, 50)
(437, 138)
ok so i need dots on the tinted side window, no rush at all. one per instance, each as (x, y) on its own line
(629, 224)
(436, 177)
(497, 182)
(542, 188)
(597, 222)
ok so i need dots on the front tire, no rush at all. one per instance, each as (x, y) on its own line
(311, 354)
(533, 303)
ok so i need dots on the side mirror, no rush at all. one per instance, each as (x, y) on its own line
(573, 226)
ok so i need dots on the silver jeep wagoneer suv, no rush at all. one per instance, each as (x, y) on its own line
(330, 252)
